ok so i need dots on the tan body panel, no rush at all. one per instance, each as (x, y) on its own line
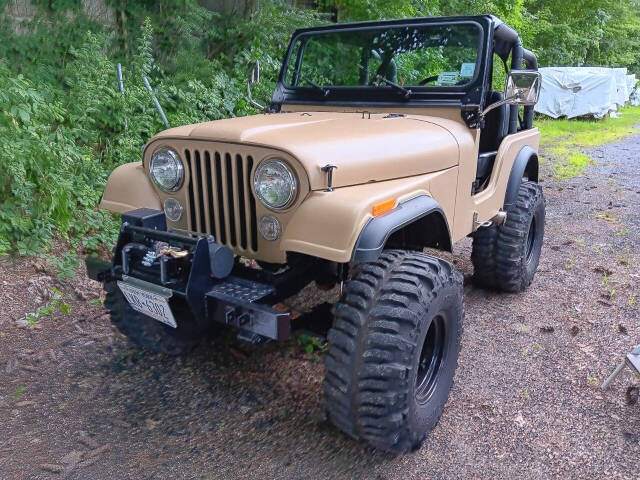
(430, 151)
(487, 202)
(364, 147)
(327, 224)
(450, 113)
(490, 200)
(129, 187)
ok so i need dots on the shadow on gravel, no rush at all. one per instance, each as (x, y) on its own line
(228, 399)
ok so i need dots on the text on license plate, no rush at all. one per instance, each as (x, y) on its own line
(148, 303)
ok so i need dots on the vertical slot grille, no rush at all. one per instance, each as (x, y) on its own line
(220, 198)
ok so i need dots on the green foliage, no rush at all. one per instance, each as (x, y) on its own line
(62, 115)
(17, 393)
(349, 10)
(54, 304)
(310, 344)
(65, 265)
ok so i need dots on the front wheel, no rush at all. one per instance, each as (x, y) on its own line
(393, 349)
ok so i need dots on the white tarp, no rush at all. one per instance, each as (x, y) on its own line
(577, 91)
(632, 85)
(620, 74)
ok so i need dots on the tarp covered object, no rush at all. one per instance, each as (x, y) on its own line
(631, 83)
(620, 74)
(577, 91)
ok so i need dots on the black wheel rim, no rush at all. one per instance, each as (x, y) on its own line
(531, 239)
(431, 360)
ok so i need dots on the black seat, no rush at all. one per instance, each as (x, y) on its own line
(496, 127)
(496, 124)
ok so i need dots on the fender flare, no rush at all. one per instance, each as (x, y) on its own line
(377, 231)
(526, 162)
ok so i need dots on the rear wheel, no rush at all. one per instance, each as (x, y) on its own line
(150, 334)
(507, 257)
(393, 349)
(519, 242)
(483, 257)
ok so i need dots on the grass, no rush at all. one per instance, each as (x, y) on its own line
(563, 138)
(17, 394)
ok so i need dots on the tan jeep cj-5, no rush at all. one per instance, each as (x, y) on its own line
(381, 139)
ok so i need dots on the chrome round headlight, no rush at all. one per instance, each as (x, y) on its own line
(275, 184)
(167, 170)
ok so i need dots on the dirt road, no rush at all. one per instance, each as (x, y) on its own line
(77, 402)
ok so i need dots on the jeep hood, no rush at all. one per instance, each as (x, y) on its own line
(364, 147)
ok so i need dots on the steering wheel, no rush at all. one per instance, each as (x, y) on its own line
(428, 79)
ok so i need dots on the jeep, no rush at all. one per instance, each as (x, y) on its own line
(382, 139)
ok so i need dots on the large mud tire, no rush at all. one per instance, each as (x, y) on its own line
(520, 239)
(506, 257)
(393, 349)
(149, 334)
(483, 257)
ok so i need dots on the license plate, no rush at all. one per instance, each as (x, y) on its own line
(148, 303)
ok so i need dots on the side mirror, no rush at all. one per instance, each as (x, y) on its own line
(254, 74)
(254, 78)
(523, 87)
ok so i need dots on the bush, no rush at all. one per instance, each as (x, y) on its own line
(62, 121)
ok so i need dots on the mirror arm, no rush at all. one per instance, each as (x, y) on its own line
(497, 104)
(262, 108)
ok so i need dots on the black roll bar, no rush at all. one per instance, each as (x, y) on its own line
(508, 41)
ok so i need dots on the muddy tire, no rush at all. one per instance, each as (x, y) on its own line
(506, 257)
(149, 334)
(393, 349)
(520, 239)
(483, 257)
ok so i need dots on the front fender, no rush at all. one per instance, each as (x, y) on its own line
(377, 231)
(129, 188)
(329, 224)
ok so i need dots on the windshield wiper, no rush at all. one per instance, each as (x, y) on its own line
(379, 78)
(325, 91)
(405, 91)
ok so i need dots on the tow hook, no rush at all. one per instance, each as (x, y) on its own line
(498, 219)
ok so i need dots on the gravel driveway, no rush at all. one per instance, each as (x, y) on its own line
(77, 402)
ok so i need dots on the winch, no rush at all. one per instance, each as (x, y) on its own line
(157, 267)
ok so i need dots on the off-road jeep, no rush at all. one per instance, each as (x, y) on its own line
(381, 139)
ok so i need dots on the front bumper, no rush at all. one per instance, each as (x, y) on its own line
(196, 270)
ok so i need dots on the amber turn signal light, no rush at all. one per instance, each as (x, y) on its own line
(383, 207)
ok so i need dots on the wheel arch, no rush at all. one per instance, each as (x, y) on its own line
(525, 165)
(418, 222)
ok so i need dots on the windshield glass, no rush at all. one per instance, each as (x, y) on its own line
(410, 56)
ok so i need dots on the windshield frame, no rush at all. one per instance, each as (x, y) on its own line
(460, 95)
